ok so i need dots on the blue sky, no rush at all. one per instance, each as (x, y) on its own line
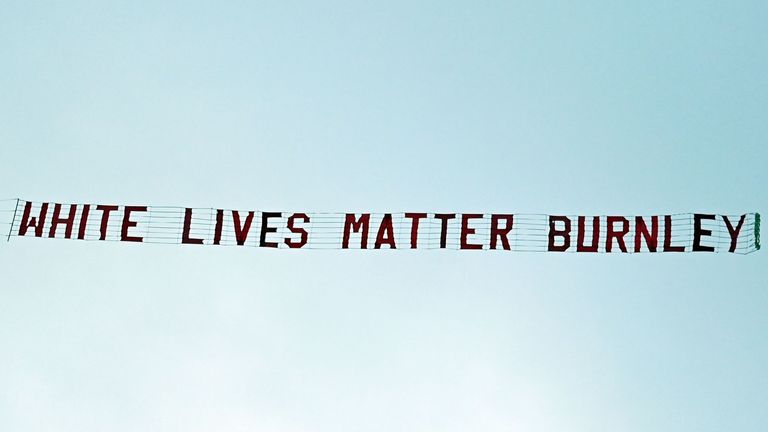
(537, 107)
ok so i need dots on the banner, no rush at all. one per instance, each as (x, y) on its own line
(686, 232)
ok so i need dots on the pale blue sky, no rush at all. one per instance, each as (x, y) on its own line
(590, 108)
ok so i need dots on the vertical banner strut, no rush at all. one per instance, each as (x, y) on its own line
(10, 229)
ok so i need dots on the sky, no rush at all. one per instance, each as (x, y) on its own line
(526, 107)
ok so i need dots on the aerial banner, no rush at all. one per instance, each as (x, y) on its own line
(682, 232)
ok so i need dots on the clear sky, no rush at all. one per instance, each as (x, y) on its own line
(530, 107)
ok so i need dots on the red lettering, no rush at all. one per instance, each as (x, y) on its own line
(185, 234)
(241, 232)
(641, 232)
(105, 210)
(734, 233)
(128, 223)
(565, 233)
(83, 222)
(698, 232)
(30, 222)
(218, 228)
(56, 220)
(466, 231)
(292, 228)
(668, 236)
(580, 246)
(266, 229)
(415, 217)
(356, 225)
(611, 233)
(386, 234)
(501, 233)
(444, 218)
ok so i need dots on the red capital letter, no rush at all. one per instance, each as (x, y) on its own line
(69, 221)
(668, 236)
(386, 234)
(466, 231)
(734, 233)
(444, 218)
(565, 233)
(218, 228)
(83, 221)
(304, 235)
(641, 232)
(580, 246)
(611, 233)
(265, 229)
(105, 210)
(241, 232)
(185, 238)
(356, 225)
(415, 227)
(502, 233)
(698, 232)
(36, 223)
(128, 223)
